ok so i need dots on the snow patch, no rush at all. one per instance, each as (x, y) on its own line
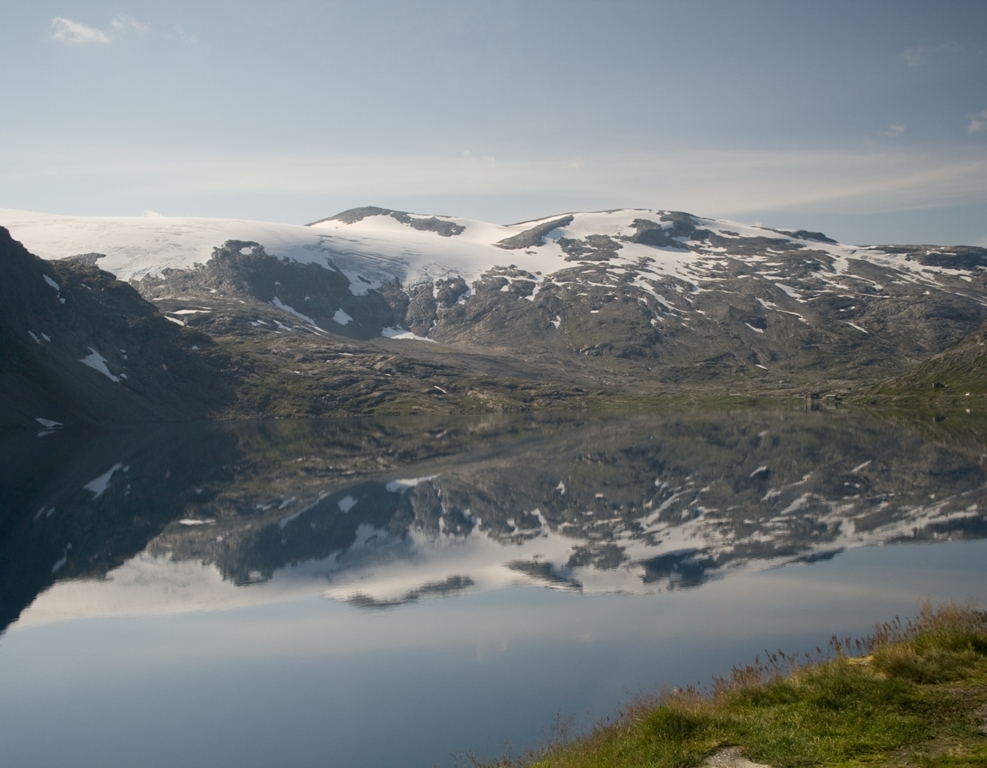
(60, 563)
(346, 504)
(292, 311)
(360, 285)
(341, 317)
(98, 486)
(790, 291)
(796, 505)
(397, 486)
(401, 333)
(294, 516)
(97, 362)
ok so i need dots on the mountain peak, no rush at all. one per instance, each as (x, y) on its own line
(621, 300)
(443, 226)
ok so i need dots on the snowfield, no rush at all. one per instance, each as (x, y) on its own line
(380, 248)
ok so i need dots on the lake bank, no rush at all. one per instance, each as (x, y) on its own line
(916, 695)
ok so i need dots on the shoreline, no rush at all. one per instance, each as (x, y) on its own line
(911, 693)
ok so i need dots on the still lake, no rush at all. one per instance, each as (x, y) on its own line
(396, 592)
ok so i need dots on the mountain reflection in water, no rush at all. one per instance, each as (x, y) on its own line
(381, 512)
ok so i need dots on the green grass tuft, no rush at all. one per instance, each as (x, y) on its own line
(917, 695)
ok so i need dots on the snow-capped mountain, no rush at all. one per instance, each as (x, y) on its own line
(331, 317)
(383, 245)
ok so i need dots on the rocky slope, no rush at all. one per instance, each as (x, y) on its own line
(81, 347)
(376, 310)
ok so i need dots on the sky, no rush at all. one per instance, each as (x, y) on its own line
(866, 120)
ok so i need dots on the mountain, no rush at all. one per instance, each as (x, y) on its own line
(81, 347)
(376, 310)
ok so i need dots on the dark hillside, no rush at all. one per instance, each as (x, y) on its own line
(81, 347)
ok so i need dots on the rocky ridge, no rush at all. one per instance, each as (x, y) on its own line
(376, 310)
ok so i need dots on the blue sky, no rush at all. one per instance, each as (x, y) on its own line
(867, 120)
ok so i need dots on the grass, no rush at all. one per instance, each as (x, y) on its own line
(916, 696)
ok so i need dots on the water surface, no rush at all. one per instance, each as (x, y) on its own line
(390, 592)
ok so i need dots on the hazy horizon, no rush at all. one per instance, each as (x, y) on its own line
(865, 121)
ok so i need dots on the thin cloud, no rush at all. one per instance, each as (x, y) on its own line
(978, 122)
(70, 32)
(121, 25)
(73, 33)
(181, 36)
(894, 131)
(184, 36)
(919, 55)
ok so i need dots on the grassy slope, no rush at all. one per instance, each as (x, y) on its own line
(918, 697)
(957, 373)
